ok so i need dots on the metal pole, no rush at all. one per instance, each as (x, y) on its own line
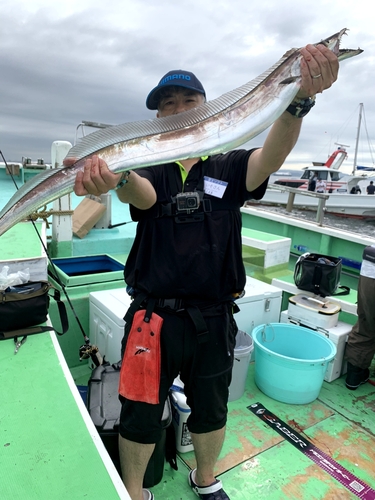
(320, 211)
(357, 140)
(289, 205)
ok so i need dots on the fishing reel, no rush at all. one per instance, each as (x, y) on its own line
(87, 351)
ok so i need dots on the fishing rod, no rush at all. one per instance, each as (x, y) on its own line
(111, 226)
(86, 350)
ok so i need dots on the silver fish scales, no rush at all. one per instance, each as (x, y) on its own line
(214, 127)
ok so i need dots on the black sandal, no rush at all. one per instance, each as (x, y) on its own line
(213, 492)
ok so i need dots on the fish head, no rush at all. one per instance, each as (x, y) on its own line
(293, 56)
(333, 43)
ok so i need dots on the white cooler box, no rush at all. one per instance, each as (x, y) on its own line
(261, 304)
(107, 310)
(337, 334)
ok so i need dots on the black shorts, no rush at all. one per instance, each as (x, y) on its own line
(205, 368)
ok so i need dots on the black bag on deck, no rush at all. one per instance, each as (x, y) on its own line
(23, 307)
(319, 274)
(369, 254)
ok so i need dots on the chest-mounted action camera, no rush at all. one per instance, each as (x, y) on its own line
(187, 202)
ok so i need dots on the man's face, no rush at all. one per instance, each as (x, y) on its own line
(178, 100)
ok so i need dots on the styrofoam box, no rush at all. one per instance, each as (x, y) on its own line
(276, 248)
(337, 334)
(313, 315)
(180, 414)
(107, 310)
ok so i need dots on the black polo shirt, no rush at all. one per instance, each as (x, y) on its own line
(199, 260)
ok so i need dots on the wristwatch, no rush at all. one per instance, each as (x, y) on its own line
(300, 107)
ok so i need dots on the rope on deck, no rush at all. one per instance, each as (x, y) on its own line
(44, 214)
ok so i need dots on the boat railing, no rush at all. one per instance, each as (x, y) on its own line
(84, 123)
(322, 198)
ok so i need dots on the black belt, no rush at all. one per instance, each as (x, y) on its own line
(143, 300)
(179, 305)
(172, 304)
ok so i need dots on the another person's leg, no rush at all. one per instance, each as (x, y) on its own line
(360, 347)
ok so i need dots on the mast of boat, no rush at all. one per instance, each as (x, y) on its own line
(357, 140)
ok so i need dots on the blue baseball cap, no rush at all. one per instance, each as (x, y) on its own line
(176, 77)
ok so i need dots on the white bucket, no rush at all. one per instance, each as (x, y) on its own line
(242, 354)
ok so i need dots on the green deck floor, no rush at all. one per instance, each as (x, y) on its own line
(47, 450)
(258, 463)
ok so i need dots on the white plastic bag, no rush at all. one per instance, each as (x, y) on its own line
(12, 279)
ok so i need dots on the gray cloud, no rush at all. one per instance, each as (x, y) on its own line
(100, 61)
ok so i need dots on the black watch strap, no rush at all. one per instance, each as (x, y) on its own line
(300, 107)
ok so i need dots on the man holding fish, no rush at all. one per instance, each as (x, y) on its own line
(186, 262)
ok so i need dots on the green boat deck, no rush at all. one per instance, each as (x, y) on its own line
(50, 448)
(256, 462)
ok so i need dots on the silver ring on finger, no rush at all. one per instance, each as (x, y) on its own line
(316, 76)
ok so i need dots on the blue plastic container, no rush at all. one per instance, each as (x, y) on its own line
(93, 264)
(291, 361)
(78, 271)
(82, 389)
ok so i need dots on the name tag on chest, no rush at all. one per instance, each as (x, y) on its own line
(214, 187)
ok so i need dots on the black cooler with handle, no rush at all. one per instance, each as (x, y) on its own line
(104, 408)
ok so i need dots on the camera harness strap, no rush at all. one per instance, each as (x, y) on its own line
(206, 205)
(159, 210)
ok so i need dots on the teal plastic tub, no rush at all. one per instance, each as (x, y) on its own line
(291, 361)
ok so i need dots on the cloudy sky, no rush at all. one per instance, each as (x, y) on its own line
(64, 62)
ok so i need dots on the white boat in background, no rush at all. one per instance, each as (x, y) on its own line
(346, 193)
(336, 181)
(343, 197)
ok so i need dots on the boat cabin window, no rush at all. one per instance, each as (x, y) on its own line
(335, 176)
(308, 174)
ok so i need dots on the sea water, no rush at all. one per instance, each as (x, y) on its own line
(360, 226)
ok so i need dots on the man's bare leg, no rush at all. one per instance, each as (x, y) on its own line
(207, 448)
(134, 458)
